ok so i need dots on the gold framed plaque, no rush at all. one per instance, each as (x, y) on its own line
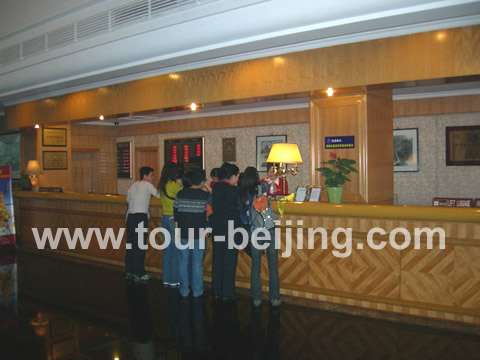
(229, 149)
(463, 145)
(54, 137)
(54, 160)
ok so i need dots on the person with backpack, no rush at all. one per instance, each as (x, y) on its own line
(256, 208)
(169, 187)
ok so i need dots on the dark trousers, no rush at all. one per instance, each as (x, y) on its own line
(224, 267)
(135, 257)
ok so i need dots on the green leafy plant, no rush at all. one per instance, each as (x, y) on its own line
(336, 174)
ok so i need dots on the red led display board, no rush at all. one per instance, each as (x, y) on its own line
(124, 160)
(186, 152)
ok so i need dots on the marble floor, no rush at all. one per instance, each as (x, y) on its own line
(51, 308)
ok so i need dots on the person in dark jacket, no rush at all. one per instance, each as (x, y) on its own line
(225, 209)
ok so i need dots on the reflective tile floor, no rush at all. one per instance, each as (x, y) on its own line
(56, 309)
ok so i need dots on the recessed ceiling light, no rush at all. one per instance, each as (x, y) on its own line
(329, 91)
(101, 117)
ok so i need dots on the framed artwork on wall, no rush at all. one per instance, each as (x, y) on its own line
(462, 145)
(264, 144)
(405, 150)
(10, 153)
(54, 137)
(55, 160)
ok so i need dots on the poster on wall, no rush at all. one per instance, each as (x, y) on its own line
(10, 153)
(7, 230)
(405, 150)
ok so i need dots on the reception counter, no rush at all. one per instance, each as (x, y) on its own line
(435, 283)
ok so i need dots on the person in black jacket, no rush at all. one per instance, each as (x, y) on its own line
(225, 208)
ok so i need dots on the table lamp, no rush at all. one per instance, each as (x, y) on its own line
(33, 170)
(283, 154)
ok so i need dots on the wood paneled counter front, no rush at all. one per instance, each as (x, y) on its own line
(435, 283)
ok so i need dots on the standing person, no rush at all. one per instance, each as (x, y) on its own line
(248, 190)
(138, 199)
(190, 209)
(169, 187)
(273, 184)
(225, 208)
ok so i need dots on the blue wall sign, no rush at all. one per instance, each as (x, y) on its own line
(339, 142)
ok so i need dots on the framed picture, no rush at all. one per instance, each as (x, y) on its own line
(302, 193)
(315, 193)
(54, 160)
(463, 145)
(405, 150)
(54, 137)
(229, 150)
(264, 144)
(10, 153)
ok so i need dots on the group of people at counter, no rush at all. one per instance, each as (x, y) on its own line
(189, 204)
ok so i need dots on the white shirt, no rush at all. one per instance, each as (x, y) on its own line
(139, 195)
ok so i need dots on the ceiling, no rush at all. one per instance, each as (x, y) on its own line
(40, 57)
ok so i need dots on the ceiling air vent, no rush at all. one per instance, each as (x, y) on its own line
(33, 46)
(92, 26)
(131, 13)
(60, 37)
(159, 7)
(10, 54)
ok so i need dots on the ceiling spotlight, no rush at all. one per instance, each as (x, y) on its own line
(101, 117)
(193, 106)
(329, 91)
(37, 126)
(174, 76)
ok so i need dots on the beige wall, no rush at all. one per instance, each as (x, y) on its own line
(435, 179)
(245, 142)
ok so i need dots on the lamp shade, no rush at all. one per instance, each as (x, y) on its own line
(284, 153)
(33, 168)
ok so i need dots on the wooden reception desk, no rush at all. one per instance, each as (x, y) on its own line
(436, 283)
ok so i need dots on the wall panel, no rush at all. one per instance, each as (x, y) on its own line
(404, 58)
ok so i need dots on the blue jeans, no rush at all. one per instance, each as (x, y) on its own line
(170, 254)
(191, 260)
(272, 259)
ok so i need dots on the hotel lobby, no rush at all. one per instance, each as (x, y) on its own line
(91, 91)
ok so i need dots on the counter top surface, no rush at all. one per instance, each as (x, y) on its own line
(428, 213)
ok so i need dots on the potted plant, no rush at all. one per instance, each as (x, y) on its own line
(335, 176)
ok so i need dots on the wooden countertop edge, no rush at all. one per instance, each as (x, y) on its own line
(400, 212)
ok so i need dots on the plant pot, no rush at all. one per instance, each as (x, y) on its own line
(335, 194)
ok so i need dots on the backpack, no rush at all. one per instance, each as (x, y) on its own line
(262, 215)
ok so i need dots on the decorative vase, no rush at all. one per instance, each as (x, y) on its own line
(335, 194)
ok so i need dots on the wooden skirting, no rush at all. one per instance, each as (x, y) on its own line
(435, 283)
